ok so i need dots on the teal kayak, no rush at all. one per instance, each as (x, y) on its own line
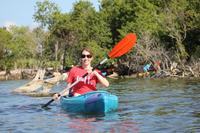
(92, 102)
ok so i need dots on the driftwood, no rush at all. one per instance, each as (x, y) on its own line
(176, 70)
(39, 86)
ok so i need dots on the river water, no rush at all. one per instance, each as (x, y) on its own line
(145, 106)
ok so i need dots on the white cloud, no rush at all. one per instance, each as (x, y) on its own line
(7, 24)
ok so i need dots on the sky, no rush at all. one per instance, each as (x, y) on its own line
(20, 12)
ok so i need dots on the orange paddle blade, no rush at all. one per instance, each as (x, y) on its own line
(123, 46)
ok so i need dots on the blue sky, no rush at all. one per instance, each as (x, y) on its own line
(20, 12)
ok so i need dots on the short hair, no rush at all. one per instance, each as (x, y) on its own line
(88, 50)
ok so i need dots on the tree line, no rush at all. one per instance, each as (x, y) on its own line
(167, 30)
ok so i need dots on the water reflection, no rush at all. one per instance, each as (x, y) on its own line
(110, 122)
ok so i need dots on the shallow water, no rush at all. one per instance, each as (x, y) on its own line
(145, 105)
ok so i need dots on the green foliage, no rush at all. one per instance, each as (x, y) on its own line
(117, 14)
(44, 12)
(39, 37)
(147, 17)
(23, 45)
(26, 63)
(82, 18)
(54, 64)
(167, 27)
(5, 39)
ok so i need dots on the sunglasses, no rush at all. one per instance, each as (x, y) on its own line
(88, 56)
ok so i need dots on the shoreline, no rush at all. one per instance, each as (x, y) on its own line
(18, 74)
(29, 74)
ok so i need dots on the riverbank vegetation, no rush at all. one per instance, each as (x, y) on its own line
(168, 32)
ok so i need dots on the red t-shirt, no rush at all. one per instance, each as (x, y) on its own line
(86, 84)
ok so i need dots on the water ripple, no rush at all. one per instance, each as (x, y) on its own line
(144, 106)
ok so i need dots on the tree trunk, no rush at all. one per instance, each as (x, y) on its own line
(64, 56)
(56, 51)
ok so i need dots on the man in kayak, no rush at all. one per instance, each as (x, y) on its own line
(88, 83)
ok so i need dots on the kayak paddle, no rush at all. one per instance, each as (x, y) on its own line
(119, 49)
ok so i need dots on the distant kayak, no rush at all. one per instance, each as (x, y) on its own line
(92, 102)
